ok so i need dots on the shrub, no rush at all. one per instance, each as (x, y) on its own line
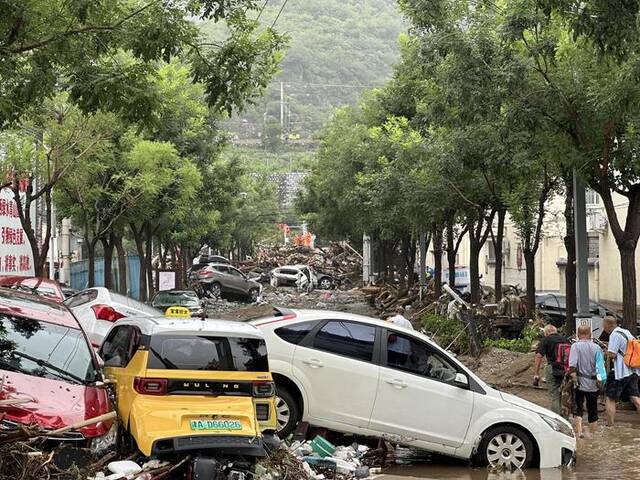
(444, 330)
(521, 344)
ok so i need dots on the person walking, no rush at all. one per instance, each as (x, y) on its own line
(548, 348)
(622, 381)
(582, 365)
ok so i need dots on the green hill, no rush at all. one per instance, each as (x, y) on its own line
(337, 49)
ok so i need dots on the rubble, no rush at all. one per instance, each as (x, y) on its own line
(338, 258)
(318, 459)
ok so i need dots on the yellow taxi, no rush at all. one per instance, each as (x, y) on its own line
(188, 384)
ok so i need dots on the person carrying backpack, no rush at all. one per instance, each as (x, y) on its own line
(555, 348)
(622, 382)
(582, 365)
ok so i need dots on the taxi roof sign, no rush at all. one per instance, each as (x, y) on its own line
(177, 312)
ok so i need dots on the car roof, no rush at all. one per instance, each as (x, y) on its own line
(308, 314)
(21, 304)
(162, 324)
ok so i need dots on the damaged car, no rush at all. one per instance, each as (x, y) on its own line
(49, 374)
(365, 376)
(289, 275)
(187, 385)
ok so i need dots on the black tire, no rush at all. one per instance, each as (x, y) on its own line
(506, 446)
(214, 291)
(293, 408)
(325, 283)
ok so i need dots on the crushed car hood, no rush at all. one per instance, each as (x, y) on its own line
(54, 403)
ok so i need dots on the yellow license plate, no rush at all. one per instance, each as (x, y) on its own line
(215, 425)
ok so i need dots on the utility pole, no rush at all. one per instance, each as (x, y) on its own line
(583, 316)
(282, 110)
(423, 262)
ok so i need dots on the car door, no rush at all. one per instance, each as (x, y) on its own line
(336, 366)
(417, 397)
(238, 280)
(116, 351)
(224, 278)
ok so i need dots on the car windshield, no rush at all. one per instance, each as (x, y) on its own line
(45, 349)
(199, 352)
(181, 299)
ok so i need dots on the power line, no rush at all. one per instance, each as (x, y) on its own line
(342, 85)
(262, 9)
(284, 4)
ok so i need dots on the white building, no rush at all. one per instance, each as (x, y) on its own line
(605, 282)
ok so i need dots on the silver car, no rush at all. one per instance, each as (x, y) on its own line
(219, 279)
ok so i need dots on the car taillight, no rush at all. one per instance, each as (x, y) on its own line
(207, 272)
(105, 312)
(150, 386)
(264, 389)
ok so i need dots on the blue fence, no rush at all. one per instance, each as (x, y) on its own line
(80, 274)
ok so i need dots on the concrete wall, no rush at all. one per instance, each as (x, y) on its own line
(604, 273)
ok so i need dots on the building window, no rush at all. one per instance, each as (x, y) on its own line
(591, 197)
(594, 246)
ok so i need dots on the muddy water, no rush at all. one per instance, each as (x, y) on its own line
(612, 453)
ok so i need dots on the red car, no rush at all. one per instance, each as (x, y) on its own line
(48, 365)
(35, 285)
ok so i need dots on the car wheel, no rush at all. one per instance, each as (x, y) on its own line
(254, 293)
(325, 283)
(214, 290)
(506, 447)
(287, 412)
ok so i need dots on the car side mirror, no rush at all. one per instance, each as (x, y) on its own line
(461, 380)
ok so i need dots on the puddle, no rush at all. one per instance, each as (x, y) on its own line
(610, 453)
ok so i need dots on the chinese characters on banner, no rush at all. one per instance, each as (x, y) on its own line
(16, 257)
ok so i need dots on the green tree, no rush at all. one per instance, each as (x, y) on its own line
(45, 149)
(79, 47)
(583, 64)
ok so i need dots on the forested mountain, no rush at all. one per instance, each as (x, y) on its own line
(337, 49)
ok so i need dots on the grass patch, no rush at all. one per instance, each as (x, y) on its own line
(521, 344)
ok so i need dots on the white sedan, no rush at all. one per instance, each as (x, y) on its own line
(97, 309)
(361, 375)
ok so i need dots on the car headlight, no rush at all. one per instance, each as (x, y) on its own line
(106, 441)
(558, 425)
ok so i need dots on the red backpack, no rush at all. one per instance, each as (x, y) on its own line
(562, 355)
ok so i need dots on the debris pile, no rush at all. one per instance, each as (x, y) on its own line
(338, 258)
(318, 459)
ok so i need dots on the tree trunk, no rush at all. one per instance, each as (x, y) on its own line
(629, 303)
(497, 248)
(149, 259)
(122, 264)
(137, 237)
(451, 255)
(107, 246)
(409, 254)
(91, 252)
(474, 271)
(437, 260)
(570, 246)
(627, 241)
(529, 261)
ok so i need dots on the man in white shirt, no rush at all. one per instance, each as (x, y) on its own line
(399, 347)
(622, 381)
(399, 319)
